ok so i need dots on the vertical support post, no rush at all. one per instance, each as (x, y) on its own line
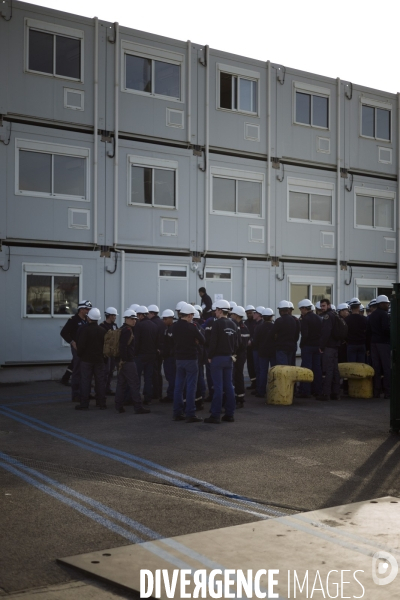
(268, 211)
(244, 281)
(395, 344)
(116, 130)
(338, 185)
(122, 284)
(95, 127)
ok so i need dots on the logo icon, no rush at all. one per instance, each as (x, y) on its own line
(384, 568)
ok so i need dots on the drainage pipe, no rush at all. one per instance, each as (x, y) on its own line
(116, 130)
(268, 158)
(95, 126)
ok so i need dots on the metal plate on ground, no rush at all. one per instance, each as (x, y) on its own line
(347, 550)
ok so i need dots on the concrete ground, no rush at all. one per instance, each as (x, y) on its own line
(73, 482)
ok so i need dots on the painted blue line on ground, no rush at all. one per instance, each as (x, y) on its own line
(241, 499)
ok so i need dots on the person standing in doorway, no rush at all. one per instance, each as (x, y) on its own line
(70, 333)
(206, 303)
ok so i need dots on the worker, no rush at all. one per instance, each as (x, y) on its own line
(69, 333)
(90, 346)
(147, 342)
(167, 352)
(127, 373)
(265, 344)
(328, 347)
(237, 315)
(378, 327)
(109, 324)
(310, 327)
(223, 345)
(157, 375)
(285, 334)
(206, 302)
(357, 333)
(186, 337)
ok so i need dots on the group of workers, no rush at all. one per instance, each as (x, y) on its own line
(207, 346)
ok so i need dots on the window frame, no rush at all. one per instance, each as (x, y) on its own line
(375, 283)
(305, 88)
(376, 104)
(310, 186)
(374, 193)
(180, 268)
(50, 148)
(236, 174)
(239, 73)
(153, 54)
(52, 28)
(310, 281)
(52, 271)
(217, 269)
(152, 163)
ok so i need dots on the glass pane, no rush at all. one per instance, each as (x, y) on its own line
(247, 95)
(66, 294)
(321, 208)
(40, 51)
(218, 273)
(318, 292)
(368, 121)
(35, 172)
(138, 73)
(298, 291)
(383, 124)
(298, 205)
(366, 294)
(224, 194)
(303, 108)
(68, 57)
(69, 175)
(164, 187)
(172, 271)
(167, 79)
(365, 211)
(225, 90)
(249, 197)
(320, 111)
(38, 294)
(141, 191)
(384, 213)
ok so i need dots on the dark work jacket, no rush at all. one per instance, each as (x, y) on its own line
(310, 327)
(186, 336)
(251, 325)
(327, 341)
(286, 333)
(161, 328)
(109, 326)
(90, 344)
(206, 305)
(264, 341)
(357, 329)
(200, 348)
(224, 338)
(146, 338)
(379, 327)
(126, 343)
(69, 332)
(243, 338)
(167, 345)
(207, 326)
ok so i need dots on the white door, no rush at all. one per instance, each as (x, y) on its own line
(172, 286)
(218, 283)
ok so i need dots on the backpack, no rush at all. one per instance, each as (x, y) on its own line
(339, 329)
(111, 342)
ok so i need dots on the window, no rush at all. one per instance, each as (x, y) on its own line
(310, 201)
(152, 182)
(218, 273)
(54, 50)
(374, 209)
(368, 291)
(51, 170)
(173, 271)
(237, 89)
(311, 105)
(51, 290)
(375, 119)
(237, 192)
(152, 71)
(313, 292)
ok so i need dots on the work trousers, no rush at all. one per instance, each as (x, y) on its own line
(356, 353)
(381, 362)
(265, 363)
(311, 359)
(331, 384)
(109, 367)
(186, 372)
(210, 384)
(88, 371)
(201, 389)
(128, 380)
(76, 374)
(221, 372)
(145, 365)
(238, 377)
(170, 375)
(284, 357)
(157, 378)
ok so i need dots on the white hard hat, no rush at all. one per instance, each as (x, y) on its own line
(232, 304)
(187, 309)
(318, 305)
(84, 304)
(134, 307)
(239, 311)
(343, 306)
(291, 305)
(196, 314)
(130, 314)
(178, 306)
(283, 304)
(198, 307)
(333, 307)
(382, 298)
(372, 303)
(111, 311)
(312, 307)
(354, 302)
(94, 314)
(153, 308)
(167, 313)
(213, 307)
(304, 303)
(142, 310)
(268, 312)
(260, 309)
(249, 307)
(222, 304)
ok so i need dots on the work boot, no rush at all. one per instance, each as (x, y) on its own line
(228, 418)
